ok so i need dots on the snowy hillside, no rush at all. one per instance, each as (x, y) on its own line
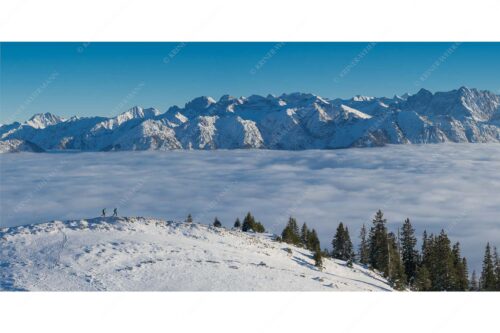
(290, 121)
(15, 146)
(150, 254)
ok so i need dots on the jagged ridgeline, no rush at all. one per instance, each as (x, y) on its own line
(290, 121)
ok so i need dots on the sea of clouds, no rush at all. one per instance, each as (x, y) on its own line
(450, 186)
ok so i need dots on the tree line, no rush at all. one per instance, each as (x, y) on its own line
(437, 266)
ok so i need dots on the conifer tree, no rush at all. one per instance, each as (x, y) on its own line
(408, 252)
(342, 245)
(425, 249)
(461, 279)
(488, 278)
(318, 261)
(496, 261)
(258, 227)
(464, 275)
(304, 234)
(423, 279)
(441, 269)
(338, 243)
(313, 241)
(217, 223)
(441, 266)
(291, 233)
(237, 223)
(349, 247)
(364, 248)
(249, 223)
(396, 272)
(379, 246)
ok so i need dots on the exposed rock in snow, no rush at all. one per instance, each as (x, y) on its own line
(127, 254)
(15, 146)
(148, 135)
(290, 121)
(42, 120)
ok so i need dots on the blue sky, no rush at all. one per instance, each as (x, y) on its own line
(107, 78)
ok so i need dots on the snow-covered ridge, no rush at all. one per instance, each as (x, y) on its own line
(152, 254)
(15, 146)
(289, 121)
(42, 120)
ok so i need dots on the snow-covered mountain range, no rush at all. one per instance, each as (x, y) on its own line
(128, 254)
(290, 121)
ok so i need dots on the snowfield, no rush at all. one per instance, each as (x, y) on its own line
(138, 254)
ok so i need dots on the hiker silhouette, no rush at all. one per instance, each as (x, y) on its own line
(103, 213)
(115, 212)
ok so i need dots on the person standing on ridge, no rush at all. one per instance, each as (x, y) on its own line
(103, 212)
(115, 212)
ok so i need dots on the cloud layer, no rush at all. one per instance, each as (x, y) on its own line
(450, 186)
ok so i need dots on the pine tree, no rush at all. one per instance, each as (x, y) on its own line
(338, 243)
(237, 223)
(396, 273)
(217, 223)
(496, 260)
(441, 269)
(461, 280)
(465, 275)
(304, 234)
(425, 249)
(379, 246)
(423, 279)
(189, 219)
(473, 286)
(318, 261)
(259, 227)
(249, 223)
(342, 244)
(291, 233)
(313, 241)
(364, 248)
(488, 278)
(349, 248)
(408, 252)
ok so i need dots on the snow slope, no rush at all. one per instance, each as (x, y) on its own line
(290, 121)
(16, 146)
(150, 254)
